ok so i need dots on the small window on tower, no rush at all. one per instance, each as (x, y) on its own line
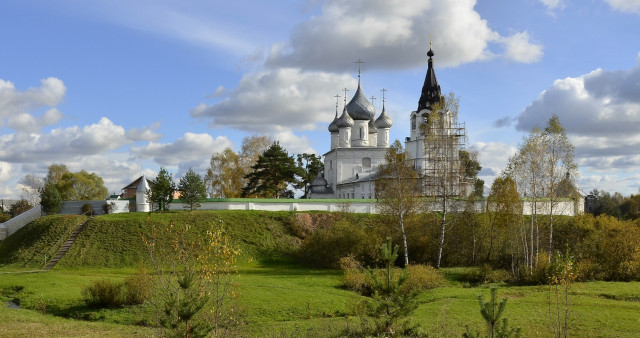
(366, 163)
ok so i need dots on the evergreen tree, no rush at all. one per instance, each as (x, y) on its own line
(162, 188)
(272, 174)
(310, 166)
(50, 198)
(192, 189)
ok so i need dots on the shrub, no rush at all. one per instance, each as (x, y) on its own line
(108, 207)
(87, 209)
(486, 274)
(137, 287)
(104, 293)
(326, 246)
(422, 278)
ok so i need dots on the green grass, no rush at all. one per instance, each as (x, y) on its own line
(36, 243)
(277, 296)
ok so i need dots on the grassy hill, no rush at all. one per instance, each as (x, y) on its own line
(115, 241)
(37, 242)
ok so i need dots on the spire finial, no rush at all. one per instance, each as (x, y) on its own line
(337, 100)
(359, 62)
(373, 98)
(345, 90)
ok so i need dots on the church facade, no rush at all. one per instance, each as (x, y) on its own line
(360, 141)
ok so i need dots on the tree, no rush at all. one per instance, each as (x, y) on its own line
(225, 177)
(310, 166)
(50, 198)
(30, 187)
(398, 189)
(193, 290)
(161, 190)
(526, 167)
(55, 173)
(445, 174)
(560, 167)
(504, 208)
(541, 168)
(472, 167)
(272, 174)
(19, 207)
(192, 189)
(81, 186)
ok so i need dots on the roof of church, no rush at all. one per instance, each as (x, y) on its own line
(431, 89)
(345, 119)
(372, 126)
(359, 107)
(333, 127)
(384, 121)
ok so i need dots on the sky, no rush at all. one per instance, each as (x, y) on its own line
(123, 87)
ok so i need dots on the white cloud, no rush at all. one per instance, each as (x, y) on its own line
(220, 91)
(393, 34)
(632, 6)
(62, 143)
(142, 134)
(17, 107)
(601, 113)
(29, 123)
(493, 157)
(293, 143)
(519, 48)
(189, 147)
(277, 99)
(553, 4)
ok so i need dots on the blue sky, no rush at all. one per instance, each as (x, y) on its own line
(121, 88)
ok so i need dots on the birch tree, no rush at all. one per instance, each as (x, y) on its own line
(398, 190)
(444, 177)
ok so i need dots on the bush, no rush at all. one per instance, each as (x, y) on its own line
(326, 246)
(486, 274)
(87, 209)
(104, 293)
(420, 278)
(137, 287)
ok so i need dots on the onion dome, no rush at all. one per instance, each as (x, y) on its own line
(383, 121)
(359, 107)
(431, 89)
(319, 185)
(372, 127)
(345, 120)
(333, 128)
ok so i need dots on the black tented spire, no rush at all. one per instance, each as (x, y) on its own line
(431, 89)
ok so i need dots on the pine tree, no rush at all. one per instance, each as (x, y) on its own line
(192, 189)
(272, 174)
(162, 188)
(50, 198)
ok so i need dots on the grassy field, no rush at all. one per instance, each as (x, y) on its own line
(278, 298)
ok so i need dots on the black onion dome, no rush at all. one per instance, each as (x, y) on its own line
(431, 89)
(384, 120)
(345, 120)
(359, 107)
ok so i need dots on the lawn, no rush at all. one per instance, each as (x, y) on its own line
(287, 300)
(278, 297)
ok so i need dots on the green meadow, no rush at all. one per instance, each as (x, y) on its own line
(278, 297)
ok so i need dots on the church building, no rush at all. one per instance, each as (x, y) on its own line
(360, 140)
